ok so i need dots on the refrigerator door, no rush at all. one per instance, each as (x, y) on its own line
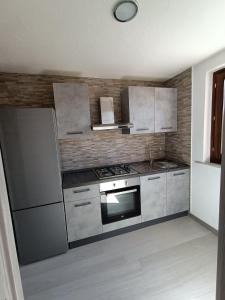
(27, 137)
(40, 232)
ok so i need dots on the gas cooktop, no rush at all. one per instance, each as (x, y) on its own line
(114, 171)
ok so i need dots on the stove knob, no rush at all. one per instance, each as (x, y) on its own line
(114, 184)
(126, 183)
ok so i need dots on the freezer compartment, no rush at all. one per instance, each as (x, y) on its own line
(40, 232)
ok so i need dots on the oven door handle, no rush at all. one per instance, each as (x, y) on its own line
(124, 192)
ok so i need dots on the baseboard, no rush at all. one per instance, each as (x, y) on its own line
(213, 230)
(120, 231)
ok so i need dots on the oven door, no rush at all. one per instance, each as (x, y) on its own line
(120, 204)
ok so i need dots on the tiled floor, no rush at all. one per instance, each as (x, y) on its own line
(169, 261)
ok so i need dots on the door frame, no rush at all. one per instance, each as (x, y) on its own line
(220, 286)
(11, 288)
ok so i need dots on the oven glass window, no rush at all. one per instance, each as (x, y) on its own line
(121, 204)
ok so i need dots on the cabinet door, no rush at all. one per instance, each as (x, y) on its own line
(178, 192)
(153, 197)
(83, 218)
(72, 109)
(165, 110)
(142, 103)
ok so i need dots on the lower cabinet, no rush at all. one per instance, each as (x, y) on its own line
(83, 218)
(162, 194)
(165, 194)
(153, 197)
(178, 191)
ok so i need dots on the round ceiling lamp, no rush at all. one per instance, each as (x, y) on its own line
(125, 10)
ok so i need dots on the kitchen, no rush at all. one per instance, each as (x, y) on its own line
(71, 100)
(99, 175)
(114, 181)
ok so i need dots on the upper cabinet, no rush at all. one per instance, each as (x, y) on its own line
(150, 109)
(165, 109)
(72, 109)
(138, 108)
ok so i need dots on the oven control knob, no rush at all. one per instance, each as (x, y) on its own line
(114, 184)
(126, 182)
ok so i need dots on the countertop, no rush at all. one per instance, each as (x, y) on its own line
(87, 176)
(144, 168)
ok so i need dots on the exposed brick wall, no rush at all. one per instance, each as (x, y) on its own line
(178, 145)
(97, 148)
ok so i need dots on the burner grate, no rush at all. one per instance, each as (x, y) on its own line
(114, 171)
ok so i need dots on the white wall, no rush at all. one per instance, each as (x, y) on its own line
(205, 193)
(205, 179)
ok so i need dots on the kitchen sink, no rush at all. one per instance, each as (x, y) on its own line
(165, 164)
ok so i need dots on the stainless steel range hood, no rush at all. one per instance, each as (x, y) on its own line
(107, 117)
(112, 126)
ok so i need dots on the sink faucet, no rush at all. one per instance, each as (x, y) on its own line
(151, 160)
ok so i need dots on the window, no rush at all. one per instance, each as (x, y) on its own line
(217, 116)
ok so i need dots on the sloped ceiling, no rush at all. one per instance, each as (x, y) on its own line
(81, 37)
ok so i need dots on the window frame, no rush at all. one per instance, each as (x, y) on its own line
(217, 116)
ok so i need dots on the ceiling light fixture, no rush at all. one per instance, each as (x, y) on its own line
(125, 10)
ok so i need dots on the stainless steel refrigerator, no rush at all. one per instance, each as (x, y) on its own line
(32, 169)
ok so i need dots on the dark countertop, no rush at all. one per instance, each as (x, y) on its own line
(87, 176)
(78, 178)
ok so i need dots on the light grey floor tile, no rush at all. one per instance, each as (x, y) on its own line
(175, 260)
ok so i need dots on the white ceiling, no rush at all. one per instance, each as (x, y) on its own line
(80, 37)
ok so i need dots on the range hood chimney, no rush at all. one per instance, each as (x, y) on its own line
(107, 116)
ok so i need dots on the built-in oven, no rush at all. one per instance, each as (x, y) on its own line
(120, 200)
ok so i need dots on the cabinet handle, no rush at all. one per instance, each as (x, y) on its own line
(82, 204)
(154, 178)
(124, 192)
(74, 132)
(166, 128)
(81, 191)
(178, 174)
(142, 129)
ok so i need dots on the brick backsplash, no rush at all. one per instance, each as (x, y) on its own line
(97, 148)
(178, 145)
(109, 147)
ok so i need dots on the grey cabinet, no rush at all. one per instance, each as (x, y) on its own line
(178, 191)
(138, 108)
(153, 197)
(165, 109)
(83, 218)
(83, 211)
(72, 109)
(150, 109)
